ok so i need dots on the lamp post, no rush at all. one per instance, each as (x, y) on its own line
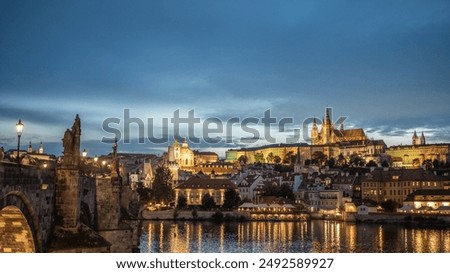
(19, 129)
(84, 153)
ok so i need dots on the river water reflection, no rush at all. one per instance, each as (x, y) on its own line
(280, 237)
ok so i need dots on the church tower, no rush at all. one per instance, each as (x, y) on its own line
(298, 167)
(314, 133)
(327, 128)
(415, 139)
(422, 139)
(30, 148)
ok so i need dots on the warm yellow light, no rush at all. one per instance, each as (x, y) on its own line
(19, 127)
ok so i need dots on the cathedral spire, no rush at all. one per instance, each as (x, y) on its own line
(422, 139)
(314, 133)
(298, 162)
(415, 138)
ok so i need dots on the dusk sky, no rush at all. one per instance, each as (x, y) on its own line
(383, 64)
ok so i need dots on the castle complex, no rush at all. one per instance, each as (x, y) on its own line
(327, 140)
(344, 143)
(414, 155)
(329, 135)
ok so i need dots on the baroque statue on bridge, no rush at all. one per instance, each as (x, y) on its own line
(71, 144)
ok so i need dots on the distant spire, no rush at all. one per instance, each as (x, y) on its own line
(422, 139)
(30, 148)
(41, 148)
(298, 162)
(328, 114)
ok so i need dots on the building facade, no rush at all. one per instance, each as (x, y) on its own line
(414, 155)
(329, 135)
(396, 184)
(327, 140)
(194, 189)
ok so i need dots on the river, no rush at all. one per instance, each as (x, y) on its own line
(316, 236)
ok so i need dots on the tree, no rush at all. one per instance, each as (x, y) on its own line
(270, 189)
(144, 193)
(259, 157)
(285, 191)
(371, 163)
(288, 158)
(356, 160)
(162, 189)
(208, 202)
(270, 158)
(182, 201)
(243, 159)
(389, 205)
(385, 164)
(331, 162)
(231, 199)
(318, 157)
(341, 161)
(428, 164)
(277, 159)
(435, 164)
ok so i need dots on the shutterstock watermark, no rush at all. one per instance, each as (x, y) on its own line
(211, 130)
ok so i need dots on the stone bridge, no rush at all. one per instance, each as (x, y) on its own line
(58, 210)
(58, 207)
(26, 207)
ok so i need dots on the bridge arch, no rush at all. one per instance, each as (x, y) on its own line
(21, 223)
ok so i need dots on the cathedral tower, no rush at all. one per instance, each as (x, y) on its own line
(314, 133)
(415, 139)
(422, 139)
(298, 168)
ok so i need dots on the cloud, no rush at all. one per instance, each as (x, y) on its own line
(384, 65)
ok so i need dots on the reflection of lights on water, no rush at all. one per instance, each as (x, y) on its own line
(380, 239)
(338, 235)
(222, 236)
(199, 237)
(161, 237)
(433, 241)
(351, 237)
(446, 242)
(150, 237)
(313, 236)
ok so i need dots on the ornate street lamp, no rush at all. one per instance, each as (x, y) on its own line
(84, 153)
(19, 129)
